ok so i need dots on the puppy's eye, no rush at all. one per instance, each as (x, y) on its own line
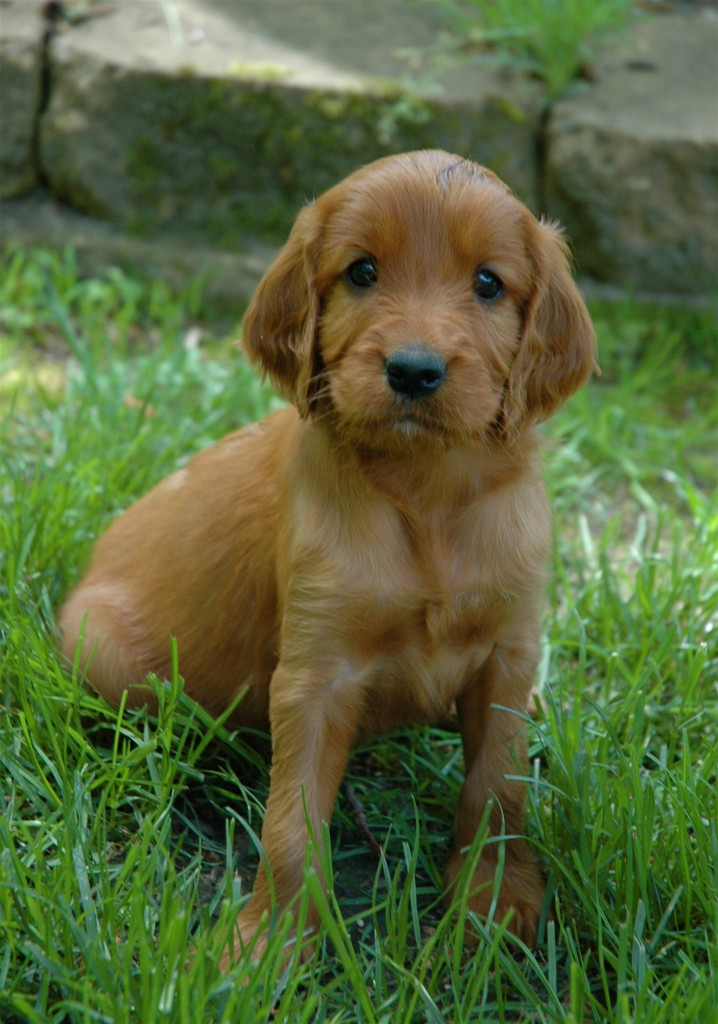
(487, 285)
(361, 273)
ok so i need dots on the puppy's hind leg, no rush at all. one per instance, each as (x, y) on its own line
(100, 633)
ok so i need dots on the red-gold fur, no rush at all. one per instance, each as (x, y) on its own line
(366, 558)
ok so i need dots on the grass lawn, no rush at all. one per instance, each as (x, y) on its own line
(125, 840)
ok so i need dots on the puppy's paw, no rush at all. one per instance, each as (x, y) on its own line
(252, 935)
(247, 941)
(520, 897)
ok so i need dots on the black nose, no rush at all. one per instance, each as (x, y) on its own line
(414, 372)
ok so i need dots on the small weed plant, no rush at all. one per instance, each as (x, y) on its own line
(554, 40)
(127, 842)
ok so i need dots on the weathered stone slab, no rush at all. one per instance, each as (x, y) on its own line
(230, 277)
(223, 123)
(21, 54)
(215, 120)
(632, 160)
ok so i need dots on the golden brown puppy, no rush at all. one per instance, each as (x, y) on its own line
(376, 553)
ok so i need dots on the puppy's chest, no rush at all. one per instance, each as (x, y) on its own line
(414, 652)
(453, 619)
(404, 621)
(445, 577)
(411, 608)
(432, 600)
(428, 622)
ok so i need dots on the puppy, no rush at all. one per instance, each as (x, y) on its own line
(374, 554)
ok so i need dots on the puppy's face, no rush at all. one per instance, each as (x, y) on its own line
(420, 300)
(424, 281)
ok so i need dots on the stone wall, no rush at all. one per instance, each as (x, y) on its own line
(214, 129)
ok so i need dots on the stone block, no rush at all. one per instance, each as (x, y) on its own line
(632, 160)
(21, 62)
(223, 130)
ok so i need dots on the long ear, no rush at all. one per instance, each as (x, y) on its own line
(557, 351)
(280, 325)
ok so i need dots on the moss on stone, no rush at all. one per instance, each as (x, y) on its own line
(248, 71)
(146, 162)
(227, 157)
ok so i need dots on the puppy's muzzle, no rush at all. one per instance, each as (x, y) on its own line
(415, 372)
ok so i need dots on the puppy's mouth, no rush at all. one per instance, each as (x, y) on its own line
(413, 418)
(410, 397)
(396, 422)
(404, 422)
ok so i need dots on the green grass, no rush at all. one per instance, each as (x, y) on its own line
(125, 840)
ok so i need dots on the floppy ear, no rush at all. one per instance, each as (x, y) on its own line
(280, 325)
(557, 350)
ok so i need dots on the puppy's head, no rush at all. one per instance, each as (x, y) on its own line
(419, 299)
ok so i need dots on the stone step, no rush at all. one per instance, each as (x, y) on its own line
(207, 124)
(632, 160)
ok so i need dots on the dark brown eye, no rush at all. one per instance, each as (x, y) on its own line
(361, 273)
(487, 285)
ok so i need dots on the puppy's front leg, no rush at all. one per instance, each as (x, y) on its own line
(313, 725)
(493, 740)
